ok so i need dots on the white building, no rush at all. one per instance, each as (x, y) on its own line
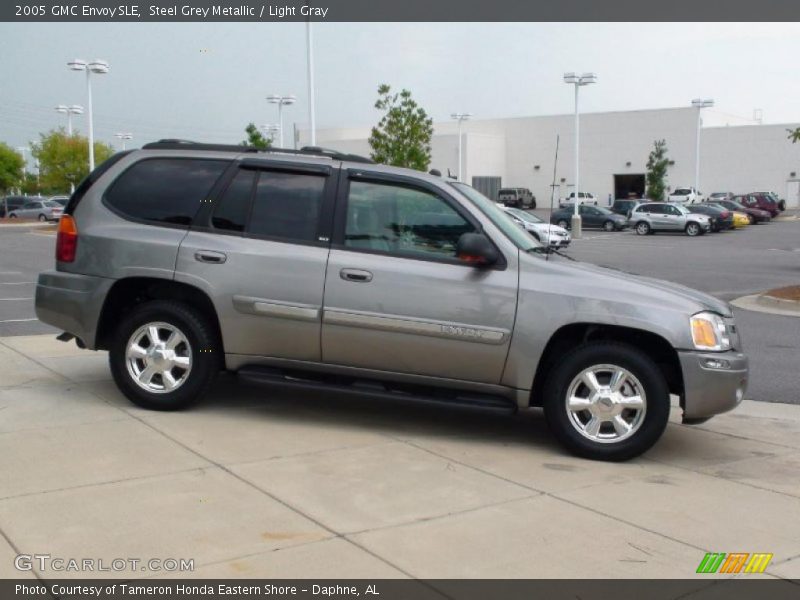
(520, 152)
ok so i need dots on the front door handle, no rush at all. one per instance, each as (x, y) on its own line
(210, 256)
(358, 275)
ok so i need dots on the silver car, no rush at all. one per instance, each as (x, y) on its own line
(650, 217)
(542, 231)
(318, 270)
(42, 210)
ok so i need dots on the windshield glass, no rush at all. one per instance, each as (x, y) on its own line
(524, 215)
(498, 216)
(604, 210)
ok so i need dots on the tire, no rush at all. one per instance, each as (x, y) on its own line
(199, 345)
(643, 228)
(563, 224)
(608, 226)
(751, 219)
(693, 229)
(42, 218)
(533, 204)
(12, 216)
(611, 430)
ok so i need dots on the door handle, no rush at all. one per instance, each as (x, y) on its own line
(358, 275)
(210, 256)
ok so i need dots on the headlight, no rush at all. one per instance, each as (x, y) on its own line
(709, 332)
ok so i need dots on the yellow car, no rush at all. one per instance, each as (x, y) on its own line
(740, 220)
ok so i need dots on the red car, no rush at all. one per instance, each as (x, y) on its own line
(762, 201)
(756, 214)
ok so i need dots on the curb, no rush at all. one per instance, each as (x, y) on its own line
(768, 304)
(34, 224)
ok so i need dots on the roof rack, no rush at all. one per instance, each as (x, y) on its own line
(176, 144)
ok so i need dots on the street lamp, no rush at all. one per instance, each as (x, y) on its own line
(98, 67)
(460, 117)
(699, 104)
(312, 117)
(75, 109)
(577, 81)
(281, 101)
(124, 137)
(270, 129)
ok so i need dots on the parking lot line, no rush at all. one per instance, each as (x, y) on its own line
(18, 320)
(17, 282)
(7, 299)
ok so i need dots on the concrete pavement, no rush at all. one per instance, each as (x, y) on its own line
(258, 483)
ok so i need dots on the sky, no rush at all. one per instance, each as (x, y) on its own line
(206, 81)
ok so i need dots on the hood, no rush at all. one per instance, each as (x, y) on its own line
(621, 284)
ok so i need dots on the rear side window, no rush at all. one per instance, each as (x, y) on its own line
(287, 206)
(232, 209)
(164, 190)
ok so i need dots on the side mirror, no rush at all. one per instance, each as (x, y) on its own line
(476, 249)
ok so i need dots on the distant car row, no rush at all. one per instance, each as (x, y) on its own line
(765, 200)
(33, 207)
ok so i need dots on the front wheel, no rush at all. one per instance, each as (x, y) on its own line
(607, 401)
(693, 229)
(164, 355)
(608, 226)
(642, 228)
(12, 216)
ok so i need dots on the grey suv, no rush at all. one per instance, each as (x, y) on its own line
(649, 217)
(320, 270)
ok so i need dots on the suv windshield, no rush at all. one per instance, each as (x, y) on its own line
(498, 216)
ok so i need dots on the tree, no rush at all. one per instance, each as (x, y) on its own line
(11, 167)
(657, 164)
(255, 138)
(64, 160)
(402, 137)
(794, 135)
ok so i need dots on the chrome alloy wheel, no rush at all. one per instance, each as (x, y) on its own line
(606, 403)
(158, 357)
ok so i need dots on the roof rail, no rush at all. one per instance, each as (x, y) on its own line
(177, 144)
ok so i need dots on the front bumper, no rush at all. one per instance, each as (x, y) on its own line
(713, 382)
(72, 303)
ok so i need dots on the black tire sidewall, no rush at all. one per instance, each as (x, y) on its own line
(206, 359)
(635, 361)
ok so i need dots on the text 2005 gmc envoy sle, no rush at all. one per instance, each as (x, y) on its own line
(324, 270)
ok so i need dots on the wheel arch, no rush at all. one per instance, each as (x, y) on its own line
(569, 336)
(127, 293)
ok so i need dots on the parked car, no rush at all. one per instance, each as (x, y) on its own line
(717, 196)
(778, 200)
(517, 197)
(583, 198)
(762, 201)
(686, 195)
(592, 217)
(43, 210)
(9, 203)
(546, 233)
(667, 216)
(624, 207)
(316, 270)
(740, 220)
(754, 215)
(62, 200)
(719, 217)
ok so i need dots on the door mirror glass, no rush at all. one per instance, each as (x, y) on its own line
(476, 249)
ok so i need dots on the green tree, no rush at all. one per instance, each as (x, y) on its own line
(255, 138)
(794, 135)
(657, 164)
(11, 167)
(402, 137)
(64, 160)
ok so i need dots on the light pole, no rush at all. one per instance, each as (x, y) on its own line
(75, 109)
(281, 101)
(312, 117)
(270, 129)
(577, 81)
(699, 104)
(460, 117)
(98, 67)
(123, 137)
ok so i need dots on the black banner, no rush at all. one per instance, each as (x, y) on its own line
(393, 10)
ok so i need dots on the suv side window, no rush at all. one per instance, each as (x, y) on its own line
(402, 220)
(164, 190)
(287, 206)
(234, 205)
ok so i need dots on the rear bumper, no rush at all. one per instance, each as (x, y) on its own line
(714, 382)
(72, 303)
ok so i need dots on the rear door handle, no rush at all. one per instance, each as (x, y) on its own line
(358, 275)
(210, 256)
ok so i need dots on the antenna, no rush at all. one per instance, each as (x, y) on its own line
(552, 195)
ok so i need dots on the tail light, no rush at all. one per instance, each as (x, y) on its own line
(67, 239)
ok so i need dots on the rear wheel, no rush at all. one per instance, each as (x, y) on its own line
(642, 228)
(693, 229)
(607, 401)
(164, 355)
(533, 204)
(751, 219)
(42, 218)
(12, 216)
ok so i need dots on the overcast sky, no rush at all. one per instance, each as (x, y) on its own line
(206, 81)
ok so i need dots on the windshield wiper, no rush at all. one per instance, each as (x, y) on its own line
(550, 250)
